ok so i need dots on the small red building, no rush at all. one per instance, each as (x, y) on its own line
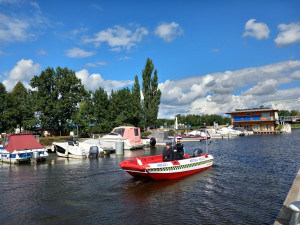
(259, 119)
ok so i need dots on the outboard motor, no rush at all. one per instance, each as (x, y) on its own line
(94, 151)
(197, 152)
(152, 141)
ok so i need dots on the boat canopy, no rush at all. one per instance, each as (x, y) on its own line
(20, 142)
(131, 133)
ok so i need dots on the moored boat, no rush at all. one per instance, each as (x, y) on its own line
(22, 147)
(131, 136)
(74, 149)
(155, 168)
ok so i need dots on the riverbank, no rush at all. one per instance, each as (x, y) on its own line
(285, 213)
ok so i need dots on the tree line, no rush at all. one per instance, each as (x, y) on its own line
(195, 120)
(58, 100)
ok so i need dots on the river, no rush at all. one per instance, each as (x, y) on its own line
(248, 183)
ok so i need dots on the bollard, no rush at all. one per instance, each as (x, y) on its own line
(119, 147)
(295, 206)
(229, 135)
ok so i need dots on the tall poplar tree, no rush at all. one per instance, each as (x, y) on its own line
(151, 93)
(136, 103)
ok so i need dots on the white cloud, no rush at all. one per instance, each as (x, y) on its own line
(94, 81)
(168, 31)
(24, 71)
(256, 30)
(78, 53)
(96, 64)
(21, 26)
(296, 75)
(41, 52)
(13, 29)
(119, 38)
(263, 88)
(222, 92)
(290, 34)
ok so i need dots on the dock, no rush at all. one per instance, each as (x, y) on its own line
(285, 213)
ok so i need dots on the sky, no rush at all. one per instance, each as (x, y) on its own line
(211, 57)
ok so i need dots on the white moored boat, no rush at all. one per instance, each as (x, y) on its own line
(74, 149)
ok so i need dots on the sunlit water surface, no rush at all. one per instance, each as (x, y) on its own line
(248, 183)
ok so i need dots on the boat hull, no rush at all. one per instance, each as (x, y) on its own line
(147, 167)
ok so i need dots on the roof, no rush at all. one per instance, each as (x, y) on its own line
(21, 142)
(253, 110)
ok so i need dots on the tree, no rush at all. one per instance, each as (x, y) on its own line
(120, 107)
(100, 107)
(3, 106)
(151, 93)
(57, 95)
(20, 111)
(136, 103)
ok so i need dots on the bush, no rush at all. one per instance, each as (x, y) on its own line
(171, 132)
(47, 141)
(146, 133)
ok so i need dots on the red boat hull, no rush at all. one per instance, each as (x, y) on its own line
(153, 167)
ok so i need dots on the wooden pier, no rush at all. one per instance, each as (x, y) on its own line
(267, 132)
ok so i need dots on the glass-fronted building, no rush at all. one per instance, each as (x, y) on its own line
(259, 119)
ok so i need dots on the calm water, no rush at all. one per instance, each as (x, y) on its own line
(247, 185)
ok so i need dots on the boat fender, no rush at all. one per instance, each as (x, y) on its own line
(152, 141)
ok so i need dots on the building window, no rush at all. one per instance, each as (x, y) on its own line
(237, 118)
(266, 126)
(256, 126)
(256, 117)
(246, 118)
(265, 116)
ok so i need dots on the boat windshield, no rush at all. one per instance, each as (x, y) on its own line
(6, 140)
(119, 131)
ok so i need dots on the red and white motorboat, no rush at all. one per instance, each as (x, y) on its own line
(154, 167)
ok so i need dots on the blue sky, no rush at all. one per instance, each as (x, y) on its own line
(211, 56)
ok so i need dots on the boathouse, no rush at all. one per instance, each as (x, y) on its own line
(261, 120)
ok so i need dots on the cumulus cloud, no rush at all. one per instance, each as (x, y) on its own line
(168, 31)
(78, 53)
(296, 75)
(118, 38)
(256, 30)
(222, 92)
(13, 29)
(23, 71)
(94, 81)
(22, 26)
(290, 34)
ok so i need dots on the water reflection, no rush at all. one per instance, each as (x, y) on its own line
(250, 173)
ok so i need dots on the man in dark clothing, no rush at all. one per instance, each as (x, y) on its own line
(179, 148)
(167, 153)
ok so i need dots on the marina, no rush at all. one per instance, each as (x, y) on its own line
(247, 184)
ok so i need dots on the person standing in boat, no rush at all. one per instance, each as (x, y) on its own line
(167, 153)
(179, 148)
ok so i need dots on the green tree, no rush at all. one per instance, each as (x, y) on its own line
(151, 93)
(100, 107)
(284, 113)
(120, 107)
(20, 111)
(57, 95)
(3, 106)
(136, 108)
